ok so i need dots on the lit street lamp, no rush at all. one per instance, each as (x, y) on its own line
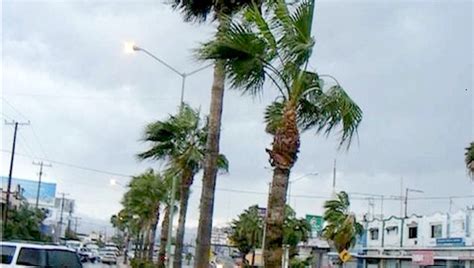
(114, 182)
(129, 48)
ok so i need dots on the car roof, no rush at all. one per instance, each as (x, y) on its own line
(33, 245)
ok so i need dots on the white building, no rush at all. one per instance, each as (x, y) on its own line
(440, 239)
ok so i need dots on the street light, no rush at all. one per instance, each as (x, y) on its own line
(130, 48)
(407, 190)
(297, 179)
(114, 182)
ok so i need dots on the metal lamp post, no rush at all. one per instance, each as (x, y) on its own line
(407, 190)
(295, 180)
(129, 48)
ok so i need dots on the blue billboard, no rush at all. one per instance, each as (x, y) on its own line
(29, 190)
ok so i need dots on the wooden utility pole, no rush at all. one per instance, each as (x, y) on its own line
(40, 174)
(9, 185)
(60, 225)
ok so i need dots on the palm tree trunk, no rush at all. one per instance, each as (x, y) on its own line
(127, 242)
(183, 207)
(146, 244)
(164, 238)
(142, 245)
(152, 237)
(206, 207)
(283, 155)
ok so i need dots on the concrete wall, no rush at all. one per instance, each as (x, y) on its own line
(454, 225)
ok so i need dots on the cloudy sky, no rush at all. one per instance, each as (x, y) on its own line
(408, 64)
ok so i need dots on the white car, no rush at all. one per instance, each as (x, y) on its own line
(35, 255)
(88, 254)
(109, 257)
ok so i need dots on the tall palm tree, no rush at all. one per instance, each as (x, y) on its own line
(180, 140)
(200, 11)
(277, 48)
(342, 227)
(143, 199)
(469, 160)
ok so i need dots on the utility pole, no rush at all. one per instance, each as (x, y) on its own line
(334, 179)
(7, 207)
(401, 196)
(76, 219)
(40, 174)
(61, 215)
(69, 218)
(407, 190)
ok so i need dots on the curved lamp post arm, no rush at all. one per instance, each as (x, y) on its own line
(136, 48)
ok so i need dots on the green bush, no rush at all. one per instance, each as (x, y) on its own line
(138, 263)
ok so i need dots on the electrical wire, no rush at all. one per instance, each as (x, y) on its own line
(16, 110)
(74, 165)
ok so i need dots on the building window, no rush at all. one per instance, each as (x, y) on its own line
(392, 230)
(412, 232)
(436, 230)
(374, 233)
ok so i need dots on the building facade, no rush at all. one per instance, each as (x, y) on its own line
(436, 240)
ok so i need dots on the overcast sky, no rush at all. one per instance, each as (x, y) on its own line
(409, 65)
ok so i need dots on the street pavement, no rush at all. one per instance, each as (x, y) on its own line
(103, 265)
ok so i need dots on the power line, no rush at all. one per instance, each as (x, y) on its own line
(6, 116)
(74, 165)
(386, 197)
(89, 98)
(26, 145)
(16, 110)
(38, 140)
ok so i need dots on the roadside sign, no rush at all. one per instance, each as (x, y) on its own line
(316, 223)
(423, 258)
(344, 255)
(452, 241)
(262, 212)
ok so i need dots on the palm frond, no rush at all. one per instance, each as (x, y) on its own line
(273, 116)
(244, 52)
(223, 163)
(469, 159)
(329, 110)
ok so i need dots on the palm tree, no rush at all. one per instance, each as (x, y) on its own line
(246, 232)
(200, 11)
(180, 140)
(342, 227)
(469, 160)
(279, 50)
(143, 199)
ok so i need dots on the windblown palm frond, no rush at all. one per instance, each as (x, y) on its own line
(342, 228)
(469, 159)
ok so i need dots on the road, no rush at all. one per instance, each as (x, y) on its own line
(102, 265)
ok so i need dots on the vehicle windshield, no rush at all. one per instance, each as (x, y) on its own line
(7, 253)
(48, 258)
(63, 258)
(32, 257)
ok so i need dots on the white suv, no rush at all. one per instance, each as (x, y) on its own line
(33, 255)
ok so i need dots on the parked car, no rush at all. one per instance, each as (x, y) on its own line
(16, 254)
(108, 256)
(73, 244)
(113, 248)
(88, 254)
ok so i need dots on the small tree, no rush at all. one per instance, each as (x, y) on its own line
(247, 231)
(342, 227)
(25, 224)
